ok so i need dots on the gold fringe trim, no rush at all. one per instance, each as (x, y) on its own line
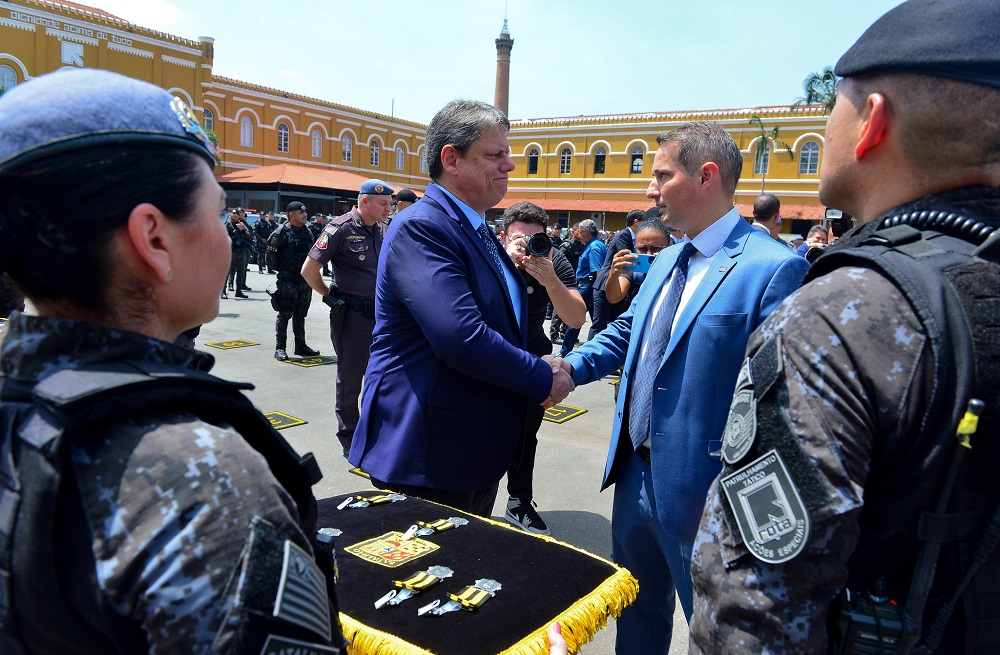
(580, 622)
(366, 640)
(586, 617)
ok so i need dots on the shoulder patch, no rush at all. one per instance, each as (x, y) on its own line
(302, 596)
(323, 240)
(768, 509)
(741, 426)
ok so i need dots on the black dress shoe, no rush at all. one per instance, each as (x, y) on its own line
(240, 294)
(305, 351)
(231, 288)
(556, 340)
(280, 355)
(245, 288)
(224, 296)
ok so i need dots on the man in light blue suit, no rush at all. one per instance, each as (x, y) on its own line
(680, 345)
(449, 380)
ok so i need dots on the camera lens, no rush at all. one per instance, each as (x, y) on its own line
(539, 244)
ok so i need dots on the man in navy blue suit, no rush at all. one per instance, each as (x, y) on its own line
(680, 344)
(449, 381)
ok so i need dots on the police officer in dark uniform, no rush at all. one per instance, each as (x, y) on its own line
(848, 518)
(351, 244)
(287, 248)
(241, 237)
(262, 230)
(147, 506)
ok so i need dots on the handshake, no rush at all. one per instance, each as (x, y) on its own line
(562, 380)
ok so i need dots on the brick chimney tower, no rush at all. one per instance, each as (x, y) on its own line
(504, 45)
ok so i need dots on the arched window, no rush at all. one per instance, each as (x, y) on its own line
(422, 156)
(533, 161)
(282, 137)
(373, 144)
(8, 78)
(209, 119)
(600, 155)
(565, 157)
(246, 132)
(400, 158)
(761, 163)
(809, 159)
(347, 148)
(637, 154)
(317, 142)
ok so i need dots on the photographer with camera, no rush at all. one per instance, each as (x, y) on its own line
(549, 277)
(845, 520)
(351, 244)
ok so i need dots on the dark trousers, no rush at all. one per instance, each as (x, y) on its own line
(479, 502)
(238, 268)
(604, 313)
(294, 304)
(261, 256)
(572, 333)
(519, 475)
(557, 328)
(352, 345)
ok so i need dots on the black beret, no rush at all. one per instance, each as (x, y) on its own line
(406, 196)
(957, 39)
(295, 206)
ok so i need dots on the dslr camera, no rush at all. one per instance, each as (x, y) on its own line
(838, 221)
(538, 244)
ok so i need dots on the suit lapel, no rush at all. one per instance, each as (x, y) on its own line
(453, 210)
(721, 265)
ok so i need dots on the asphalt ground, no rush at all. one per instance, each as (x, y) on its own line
(568, 467)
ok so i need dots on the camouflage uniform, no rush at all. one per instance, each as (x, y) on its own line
(855, 375)
(158, 515)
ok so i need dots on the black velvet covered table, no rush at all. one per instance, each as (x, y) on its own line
(542, 580)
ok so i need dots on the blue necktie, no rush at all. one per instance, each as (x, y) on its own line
(656, 344)
(491, 245)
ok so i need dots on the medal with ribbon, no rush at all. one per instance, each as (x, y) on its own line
(414, 585)
(468, 599)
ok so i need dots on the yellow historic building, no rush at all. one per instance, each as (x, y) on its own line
(275, 145)
(600, 165)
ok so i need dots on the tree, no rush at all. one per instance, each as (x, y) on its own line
(214, 140)
(820, 88)
(767, 138)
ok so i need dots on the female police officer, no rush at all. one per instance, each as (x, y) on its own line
(145, 506)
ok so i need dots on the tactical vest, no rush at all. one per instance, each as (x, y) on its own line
(287, 248)
(39, 423)
(955, 292)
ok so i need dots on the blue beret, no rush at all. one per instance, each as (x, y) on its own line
(375, 188)
(957, 39)
(80, 108)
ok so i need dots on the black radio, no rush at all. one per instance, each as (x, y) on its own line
(866, 623)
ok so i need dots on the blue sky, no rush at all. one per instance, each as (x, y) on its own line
(570, 57)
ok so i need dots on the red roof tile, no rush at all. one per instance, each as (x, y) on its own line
(296, 176)
(791, 212)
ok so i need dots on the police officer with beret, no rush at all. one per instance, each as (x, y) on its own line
(848, 517)
(287, 248)
(145, 505)
(351, 244)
